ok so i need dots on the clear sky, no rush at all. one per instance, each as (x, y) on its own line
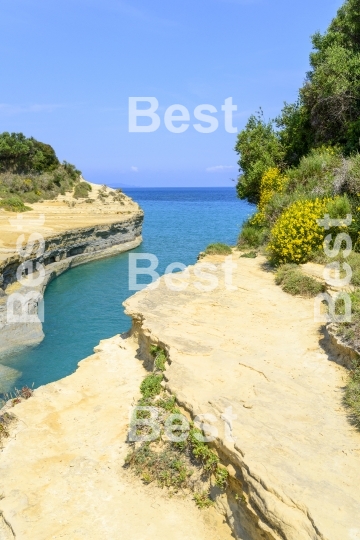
(68, 69)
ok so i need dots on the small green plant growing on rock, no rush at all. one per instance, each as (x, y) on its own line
(218, 249)
(167, 467)
(160, 357)
(221, 477)
(168, 462)
(202, 499)
(151, 386)
(201, 450)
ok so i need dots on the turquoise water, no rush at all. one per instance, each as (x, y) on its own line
(84, 305)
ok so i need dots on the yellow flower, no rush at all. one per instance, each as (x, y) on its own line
(296, 233)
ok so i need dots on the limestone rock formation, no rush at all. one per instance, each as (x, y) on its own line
(255, 359)
(75, 232)
(62, 474)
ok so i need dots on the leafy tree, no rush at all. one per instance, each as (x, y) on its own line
(295, 132)
(21, 155)
(331, 93)
(259, 148)
(328, 109)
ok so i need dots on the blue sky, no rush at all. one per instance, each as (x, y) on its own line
(68, 69)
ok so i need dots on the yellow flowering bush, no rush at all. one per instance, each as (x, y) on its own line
(296, 233)
(271, 182)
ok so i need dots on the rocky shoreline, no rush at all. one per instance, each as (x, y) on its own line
(105, 232)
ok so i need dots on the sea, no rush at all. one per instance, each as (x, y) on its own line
(84, 305)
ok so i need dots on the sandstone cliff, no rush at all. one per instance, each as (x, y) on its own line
(75, 232)
(255, 360)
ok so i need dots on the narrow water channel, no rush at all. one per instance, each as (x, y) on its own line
(84, 305)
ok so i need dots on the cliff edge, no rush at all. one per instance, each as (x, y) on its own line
(74, 231)
(255, 360)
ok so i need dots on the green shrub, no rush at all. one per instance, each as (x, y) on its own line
(315, 174)
(151, 386)
(294, 281)
(350, 331)
(272, 182)
(353, 260)
(34, 187)
(339, 207)
(352, 394)
(279, 203)
(71, 171)
(202, 499)
(348, 175)
(249, 255)
(252, 235)
(81, 190)
(218, 249)
(14, 204)
(168, 467)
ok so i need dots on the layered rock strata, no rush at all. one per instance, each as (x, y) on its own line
(74, 232)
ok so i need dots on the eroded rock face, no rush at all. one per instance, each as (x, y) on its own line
(62, 469)
(73, 235)
(252, 358)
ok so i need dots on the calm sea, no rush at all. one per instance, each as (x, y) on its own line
(84, 305)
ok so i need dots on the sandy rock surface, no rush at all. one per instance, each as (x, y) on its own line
(251, 357)
(62, 474)
(75, 231)
(257, 351)
(62, 214)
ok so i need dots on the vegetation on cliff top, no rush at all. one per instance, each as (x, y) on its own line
(188, 463)
(30, 171)
(305, 164)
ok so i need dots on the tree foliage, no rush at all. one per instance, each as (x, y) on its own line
(327, 112)
(295, 132)
(329, 100)
(21, 155)
(259, 148)
(30, 171)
